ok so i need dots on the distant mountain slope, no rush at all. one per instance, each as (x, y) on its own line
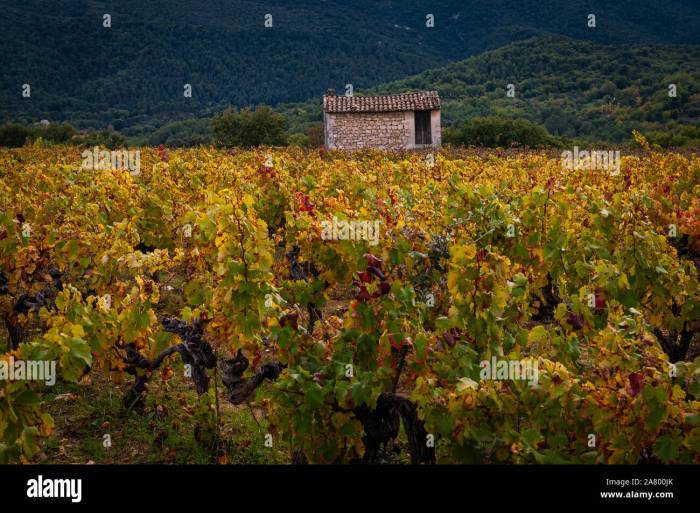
(132, 74)
(573, 88)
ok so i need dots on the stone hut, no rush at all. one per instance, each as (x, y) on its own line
(397, 121)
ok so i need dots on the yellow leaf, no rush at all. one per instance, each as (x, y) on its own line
(77, 331)
(678, 393)
(622, 282)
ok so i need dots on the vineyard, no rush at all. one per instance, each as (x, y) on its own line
(256, 280)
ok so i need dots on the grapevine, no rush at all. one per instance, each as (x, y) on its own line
(355, 344)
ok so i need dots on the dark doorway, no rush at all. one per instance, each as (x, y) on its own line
(423, 135)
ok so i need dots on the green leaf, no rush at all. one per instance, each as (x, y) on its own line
(314, 395)
(27, 397)
(80, 349)
(666, 448)
(28, 441)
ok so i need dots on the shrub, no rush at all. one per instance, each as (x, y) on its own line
(248, 128)
(500, 133)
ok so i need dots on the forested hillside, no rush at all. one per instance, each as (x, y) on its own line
(574, 89)
(131, 75)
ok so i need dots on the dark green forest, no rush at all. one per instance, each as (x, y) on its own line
(564, 90)
(573, 89)
(130, 76)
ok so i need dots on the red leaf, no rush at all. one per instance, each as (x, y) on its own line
(376, 271)
(291, 319)
(636, 381)
(373, 261)
(365, 276)
(576, 321)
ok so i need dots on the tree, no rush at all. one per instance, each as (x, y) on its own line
(108, 138)
(13, 135)
(57, 133)
(249, 128)
(316, 135)
(504, 133)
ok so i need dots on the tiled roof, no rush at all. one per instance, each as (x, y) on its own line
(421, 100)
